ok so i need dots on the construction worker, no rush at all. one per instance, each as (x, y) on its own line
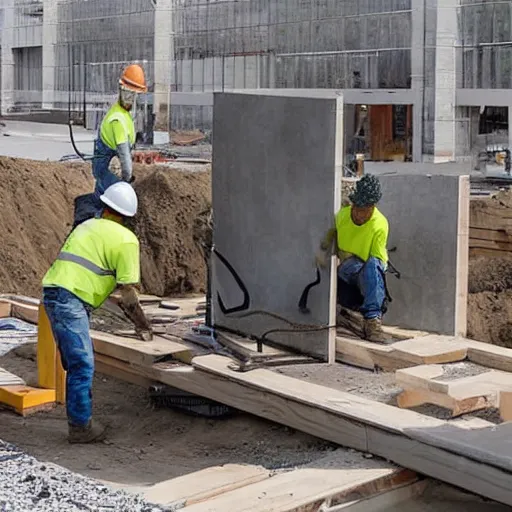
(361, 232)
(100, 255)
(116, 138)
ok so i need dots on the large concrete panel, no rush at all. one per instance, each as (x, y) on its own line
(428, 225)
(276, 185)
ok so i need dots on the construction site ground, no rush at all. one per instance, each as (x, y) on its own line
(147, 445)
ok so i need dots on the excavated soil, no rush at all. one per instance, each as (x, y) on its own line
(36, 200)
(490, 300)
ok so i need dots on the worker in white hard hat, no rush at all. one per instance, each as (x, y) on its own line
(99, 256)
(116, 138)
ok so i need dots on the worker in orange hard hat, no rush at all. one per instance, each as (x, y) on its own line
(116, 138)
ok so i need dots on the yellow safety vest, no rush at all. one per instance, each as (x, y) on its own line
(113, 134)
(365, 241)
(98, 255)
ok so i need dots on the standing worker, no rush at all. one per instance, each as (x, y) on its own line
(361, 232)
(116, 138)
(100, 255)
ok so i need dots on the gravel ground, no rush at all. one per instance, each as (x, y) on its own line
(463, 369)
(27, 484)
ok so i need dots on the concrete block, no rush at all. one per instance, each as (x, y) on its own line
(428, 218)
(276, 186)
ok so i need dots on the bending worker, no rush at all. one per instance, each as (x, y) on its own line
(100, 255)
(361, 232)
(116, 138)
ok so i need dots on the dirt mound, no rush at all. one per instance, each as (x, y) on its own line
(36, 201)
(490, 300)
(169, 203)
(490, 275)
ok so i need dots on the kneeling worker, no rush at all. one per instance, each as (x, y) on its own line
(361, 231)
(99, 255)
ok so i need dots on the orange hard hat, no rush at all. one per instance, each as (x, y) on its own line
(133, 78)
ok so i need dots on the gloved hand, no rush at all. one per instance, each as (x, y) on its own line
(144, 334)
(321, 259)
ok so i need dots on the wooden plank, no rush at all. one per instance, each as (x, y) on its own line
(505, 405)
(422, 350)
(339, 417)
(303, 489)
(23, 311)
(495, 235)
(137, 351)
(492, 245)
(489, 355)
(205, 484)
(442, 464)
(384, 501)
(490, 214)
(5, 309)
(123, 371)
(462, 268)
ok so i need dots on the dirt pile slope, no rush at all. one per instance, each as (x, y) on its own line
(169, 203)
(490, 300)
(36, 201)
(36, 205)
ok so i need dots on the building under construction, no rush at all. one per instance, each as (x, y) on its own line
(423, 79)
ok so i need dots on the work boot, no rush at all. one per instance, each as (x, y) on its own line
(373, 332)
(350, 320)
(93, 432)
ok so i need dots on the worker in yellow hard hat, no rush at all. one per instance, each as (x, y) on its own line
(116, 138)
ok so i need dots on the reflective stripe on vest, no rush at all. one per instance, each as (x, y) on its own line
(89, 265)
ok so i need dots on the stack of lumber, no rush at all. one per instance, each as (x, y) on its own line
(490, 226)
(476, 457)
(329, 482)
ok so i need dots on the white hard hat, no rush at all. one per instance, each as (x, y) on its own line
(121, 198)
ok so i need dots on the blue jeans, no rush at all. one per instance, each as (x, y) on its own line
(100, 162)
(369, 279)
(69, 318)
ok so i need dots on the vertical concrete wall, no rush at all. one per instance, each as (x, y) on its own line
(428, 218)
(276, 186)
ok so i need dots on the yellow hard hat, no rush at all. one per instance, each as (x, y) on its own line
(133, 78)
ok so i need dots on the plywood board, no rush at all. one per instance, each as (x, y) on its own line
(294, 491)
(5, 309)
(267, 226)
(205, 484)
(428, 218)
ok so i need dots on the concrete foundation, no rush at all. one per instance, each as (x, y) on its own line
(276, 186)
(428, 223)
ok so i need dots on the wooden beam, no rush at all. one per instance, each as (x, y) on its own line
(304, 489)
(402, 354)
(342, 418)
(123, 371)
(144, 353)
(203, 485)
(5, 309)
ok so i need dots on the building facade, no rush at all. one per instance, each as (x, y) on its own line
(424, 80)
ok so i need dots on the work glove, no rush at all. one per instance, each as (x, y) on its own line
(321, 259)
(144, 334)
